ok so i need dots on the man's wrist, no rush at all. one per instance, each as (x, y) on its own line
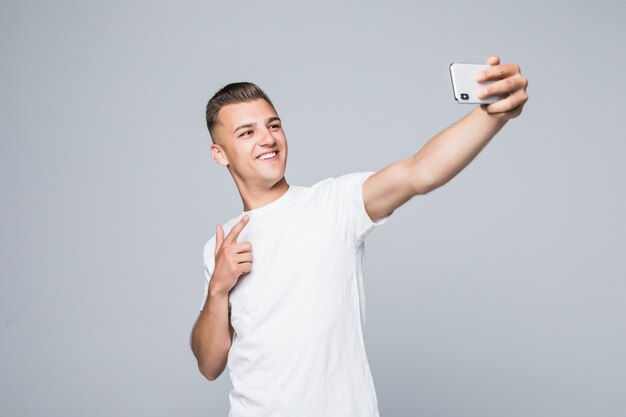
(497, 122)
(216, 291)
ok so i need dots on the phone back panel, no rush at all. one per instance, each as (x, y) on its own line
(465, 86)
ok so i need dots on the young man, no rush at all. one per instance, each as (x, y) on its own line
(289, 321)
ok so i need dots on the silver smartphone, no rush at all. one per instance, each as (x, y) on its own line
(465, 86)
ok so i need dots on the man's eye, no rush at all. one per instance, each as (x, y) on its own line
(246, 132)
(275, 125)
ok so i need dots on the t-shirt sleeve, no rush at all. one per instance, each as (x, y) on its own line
(342, 197)
(208, 262)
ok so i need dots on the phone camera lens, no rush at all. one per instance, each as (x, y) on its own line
(464, 96)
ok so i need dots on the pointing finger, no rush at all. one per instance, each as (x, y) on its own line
(219, 238)
(234, 232)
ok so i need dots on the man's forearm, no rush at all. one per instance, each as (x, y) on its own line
(210, 338)
(452, 149)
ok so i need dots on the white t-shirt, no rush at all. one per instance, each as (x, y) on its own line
(299, 315)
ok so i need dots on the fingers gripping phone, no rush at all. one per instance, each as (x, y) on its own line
(465, 85)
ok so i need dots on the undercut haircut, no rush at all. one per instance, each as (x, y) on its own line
(232, 93)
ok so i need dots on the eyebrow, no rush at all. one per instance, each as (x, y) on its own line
(271, 119)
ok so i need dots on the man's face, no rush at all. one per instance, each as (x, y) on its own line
(246, 131)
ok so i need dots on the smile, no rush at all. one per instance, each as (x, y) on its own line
(270, 156)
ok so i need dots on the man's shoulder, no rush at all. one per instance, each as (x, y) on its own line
(342, 180)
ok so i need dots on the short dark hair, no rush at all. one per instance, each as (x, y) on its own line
(232, 93)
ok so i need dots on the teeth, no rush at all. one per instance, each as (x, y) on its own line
(267, 155)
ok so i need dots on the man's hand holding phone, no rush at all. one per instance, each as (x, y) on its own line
(509, 82)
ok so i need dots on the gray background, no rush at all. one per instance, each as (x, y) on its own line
(499, 294)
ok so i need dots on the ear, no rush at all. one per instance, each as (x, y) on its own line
(219, 155)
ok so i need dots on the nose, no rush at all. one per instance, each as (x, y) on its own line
(267, 138)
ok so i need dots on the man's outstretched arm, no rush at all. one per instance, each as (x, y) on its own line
(452, 149)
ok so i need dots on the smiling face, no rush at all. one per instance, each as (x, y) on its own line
(245, 131)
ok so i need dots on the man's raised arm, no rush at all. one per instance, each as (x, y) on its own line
(452, 149)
